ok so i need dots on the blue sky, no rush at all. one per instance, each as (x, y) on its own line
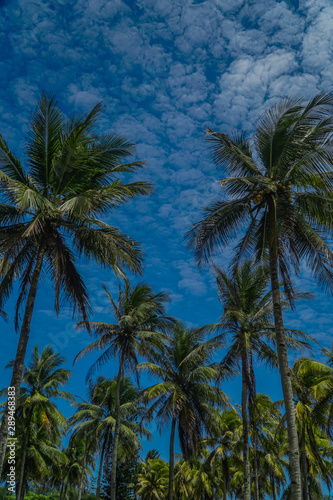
(165, 70)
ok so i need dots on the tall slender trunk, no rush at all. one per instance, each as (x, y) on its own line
(273, 488)
(63, 495)
(252, 409)
(304, 467)
(246, 448)
(20, 353)
(98, 485)
(82, 472)
(172, 457)
(225, 478)
(285, 373)
(21, 485)
(114, 455)
(255, 468)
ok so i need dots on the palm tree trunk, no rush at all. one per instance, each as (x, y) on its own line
(273, 488)
(82, 473)
(63, 495)
(114, 455)
(21, 350)
(61, 491)
(21, 485)
(225, 478)
(255, 469)
(172, 457)
(285, 373)
(246, 448)
(98, 485)
(304, 468)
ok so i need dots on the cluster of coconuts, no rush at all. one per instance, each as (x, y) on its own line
(283, 189)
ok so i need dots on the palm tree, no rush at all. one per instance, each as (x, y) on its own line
(247, 317)
(98, 417)
(52, 208)
(227, 446)
(309, 379)
(185, 395)
(153, 477)
(265, 420)
(247, 311)
(80, 463)
(141, 318)
(280, 188)
(322, 386)
(197, 479)
(39, 422)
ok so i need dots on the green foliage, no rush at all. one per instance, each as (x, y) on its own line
(140, 316)
(39, 424)
(279, 188)
(186, 391)
(38, 496)
(56, 203)
(153, 477)
(127, 469)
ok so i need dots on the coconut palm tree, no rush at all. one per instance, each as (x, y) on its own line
(152, 477)
(322, 387)
(53, 210)
(226, 446)
(186, 395)
(98, 417)
(280, 193)
(316, 451)
(247, 311)
(265, 420)
(141, 318)
(197, 479)
(80, 462)
(247, 319)
(39, 422)
(85, 438)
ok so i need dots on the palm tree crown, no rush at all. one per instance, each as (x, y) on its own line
(51, 211)
(40, 424)
(186, 395)
(280, 187)
(54, 205)
(141, 320)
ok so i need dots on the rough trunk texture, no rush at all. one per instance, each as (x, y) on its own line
(114, 455)
(21, 351)
(285, 373)
(246, 448)
(172, 458)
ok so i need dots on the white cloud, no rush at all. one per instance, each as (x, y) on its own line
(245, 85)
